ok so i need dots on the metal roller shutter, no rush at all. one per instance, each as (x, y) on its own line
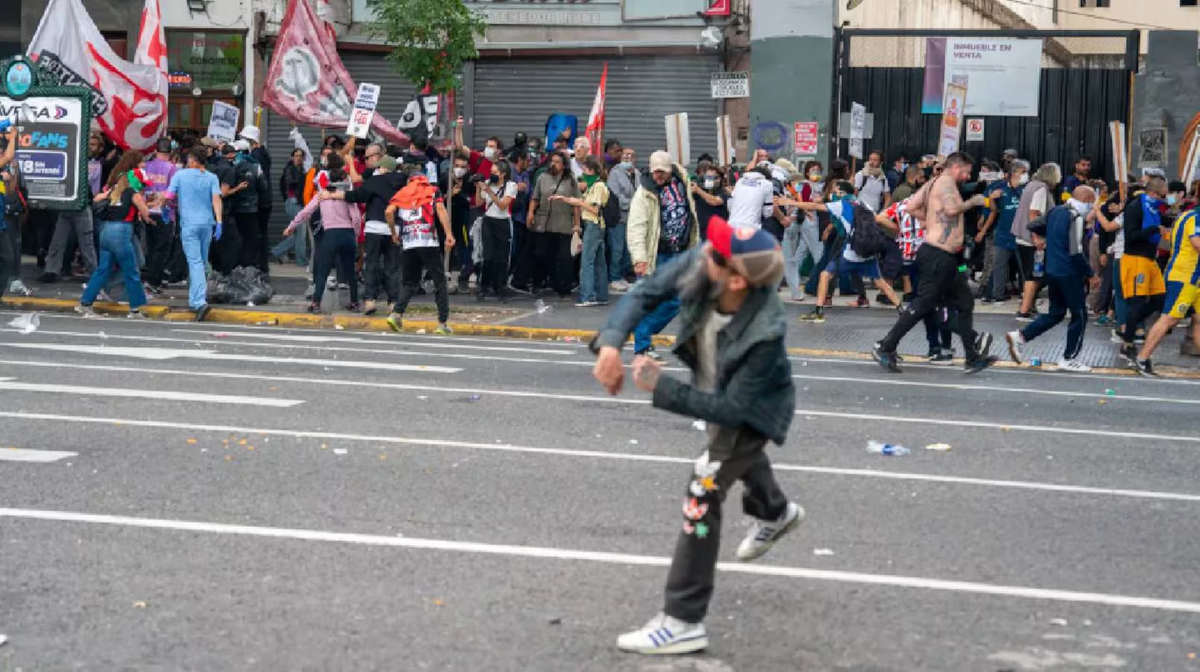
(517, 94)
(394, 95)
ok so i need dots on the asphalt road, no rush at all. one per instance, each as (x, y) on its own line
(192, 497)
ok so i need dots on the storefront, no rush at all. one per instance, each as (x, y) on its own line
(206, 66)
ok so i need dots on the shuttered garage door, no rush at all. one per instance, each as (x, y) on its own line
(395, 93)
(517, 94)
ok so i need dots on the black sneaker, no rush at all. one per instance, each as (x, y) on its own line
(979, 364)
(1145, 368)
(202, 312)
(1025, 317)
(983, 343)
(941, 357)
(886, 359)
(1130, 353)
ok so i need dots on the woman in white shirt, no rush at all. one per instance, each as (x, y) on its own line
(498, 193)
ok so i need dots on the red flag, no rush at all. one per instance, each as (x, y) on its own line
(152, 51)
(306, 81)
(595, 125)
(719, 8)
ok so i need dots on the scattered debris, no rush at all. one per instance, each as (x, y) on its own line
(1058, 621)
(887, 449)
(26, 324)
(421, 332)
(633, 442)
(822, 551)
(542, 308)
(556, 621)
(1110, 392)
(340, 451)
(939, 447)
(191, 441)
(475, 397)
(438, 603)
(339, 327)
(273, 322)
(140, 605)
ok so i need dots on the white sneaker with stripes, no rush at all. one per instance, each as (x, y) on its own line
(665, 636)
(764, 533)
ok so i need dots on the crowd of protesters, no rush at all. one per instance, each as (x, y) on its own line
(581, 223)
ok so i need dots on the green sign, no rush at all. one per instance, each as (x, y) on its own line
(17, 76)
(208, 61)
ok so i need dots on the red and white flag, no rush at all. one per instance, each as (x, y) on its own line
(129, 100)
(306, 81)
(595, 125)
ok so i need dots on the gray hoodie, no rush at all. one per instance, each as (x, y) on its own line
(623, 187)
(1020, 225)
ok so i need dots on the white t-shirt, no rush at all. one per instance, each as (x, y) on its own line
(752, 200)
(493, 210)
(838, 209)
(377, 227)
(871, 189)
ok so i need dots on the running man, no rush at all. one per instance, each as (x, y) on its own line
(419, 207)
(732, 337)
(940, 207)
(1183, 292)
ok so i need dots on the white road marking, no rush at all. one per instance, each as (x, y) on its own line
(160, 395)
(28, 455)
(153, 353)
(628, 559)
(627, 401)
(300, 338)
(608, 455)
(1023, 371)
(176, 353)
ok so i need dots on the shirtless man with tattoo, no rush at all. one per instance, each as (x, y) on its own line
(943, 275)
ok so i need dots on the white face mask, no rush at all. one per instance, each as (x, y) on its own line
(1025, 178)
(489, 153)
(1079, 206)
(460, 173)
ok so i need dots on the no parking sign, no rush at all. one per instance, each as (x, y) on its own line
(975, 130)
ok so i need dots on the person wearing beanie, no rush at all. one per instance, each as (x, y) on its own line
(381, 267)
(662, 227)
(732, 338)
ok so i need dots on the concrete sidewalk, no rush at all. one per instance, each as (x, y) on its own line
(847, 332)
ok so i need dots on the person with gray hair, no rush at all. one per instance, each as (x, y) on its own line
(1037, 200)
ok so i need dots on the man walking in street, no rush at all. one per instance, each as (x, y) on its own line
(412, 217)
(662, 226)
(732, 338)
(198, 195)
(943, 275)
(1067, 271)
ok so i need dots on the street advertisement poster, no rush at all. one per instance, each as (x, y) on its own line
(858, 126)
(806, 139)
(50, 134)
(1004, 74)
(222, 125)
(364, 111)
(952, 120)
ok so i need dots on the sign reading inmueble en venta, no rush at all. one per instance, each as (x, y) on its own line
(364, 111)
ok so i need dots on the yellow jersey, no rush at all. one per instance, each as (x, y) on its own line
(1185, 261)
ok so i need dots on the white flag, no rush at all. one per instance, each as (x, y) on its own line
(129, 100)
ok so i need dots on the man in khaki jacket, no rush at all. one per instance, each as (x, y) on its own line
(662, 227)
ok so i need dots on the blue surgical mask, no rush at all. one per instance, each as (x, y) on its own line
(625, 165)
(1171, 199)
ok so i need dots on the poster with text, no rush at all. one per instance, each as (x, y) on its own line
(807, 138)
(1004, 74)
(222, 125)
(48, 146)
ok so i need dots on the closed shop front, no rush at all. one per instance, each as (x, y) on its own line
(517, 94)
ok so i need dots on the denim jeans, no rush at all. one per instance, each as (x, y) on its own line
(593, 274)
(116, 246)
(618, 252)
(799, 241)
(660, 317)
(196, 240)
(298, 241)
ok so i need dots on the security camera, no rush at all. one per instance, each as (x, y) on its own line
(710, 37)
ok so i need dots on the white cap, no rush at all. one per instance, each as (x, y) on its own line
(241, 146)
(252, 133)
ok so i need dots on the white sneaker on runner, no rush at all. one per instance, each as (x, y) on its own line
(18, 288)
(86, 311)
(1074, 366)
(664, 636)
(1015, 343)
(764, 534)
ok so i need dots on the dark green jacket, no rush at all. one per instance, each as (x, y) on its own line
(754, 376)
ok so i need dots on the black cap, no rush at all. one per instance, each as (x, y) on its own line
(163, 146)
(227, 148)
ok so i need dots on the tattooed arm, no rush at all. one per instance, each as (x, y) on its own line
(952, 203)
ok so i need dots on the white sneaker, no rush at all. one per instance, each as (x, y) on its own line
(18, 288)
(618, 286)
(1015, 341)
(1116, 338)
(664, 636)
(764, 534)
(86, 311)
(1074, 366)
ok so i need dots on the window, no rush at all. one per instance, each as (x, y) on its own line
(1094, 3)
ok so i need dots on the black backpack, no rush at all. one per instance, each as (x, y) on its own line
(610, 214)
(867, 239)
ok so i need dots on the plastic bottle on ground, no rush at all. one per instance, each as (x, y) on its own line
(887, 449)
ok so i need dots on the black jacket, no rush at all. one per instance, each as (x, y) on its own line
(376, 192)
(754, 376)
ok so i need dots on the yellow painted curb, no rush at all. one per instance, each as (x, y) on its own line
(350, 322)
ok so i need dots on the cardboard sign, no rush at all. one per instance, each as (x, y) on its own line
(725, 150)
(364, 111)
(222, 125)
(975, 130)
(807, 138)
(953, 107)
(679, 142)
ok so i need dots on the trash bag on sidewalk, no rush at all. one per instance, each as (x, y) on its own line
(249, 285)
(218, 289)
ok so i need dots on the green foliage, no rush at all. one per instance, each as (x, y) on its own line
(430, 39)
